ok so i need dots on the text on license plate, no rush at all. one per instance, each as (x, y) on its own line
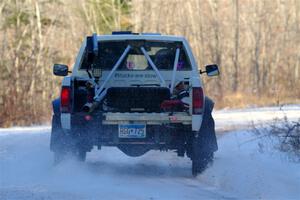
(132, 130)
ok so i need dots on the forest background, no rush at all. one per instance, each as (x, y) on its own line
(256, 43)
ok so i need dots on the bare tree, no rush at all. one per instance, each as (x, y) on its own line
(236, 46)
(255, 42)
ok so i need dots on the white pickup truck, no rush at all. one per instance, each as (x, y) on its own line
(138, 92)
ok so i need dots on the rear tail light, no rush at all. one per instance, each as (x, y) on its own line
(65, 99)
(198, 100)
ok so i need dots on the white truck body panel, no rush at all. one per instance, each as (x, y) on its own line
(196, 119)
(65, 119)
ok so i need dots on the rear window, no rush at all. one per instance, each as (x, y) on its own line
(161, 53)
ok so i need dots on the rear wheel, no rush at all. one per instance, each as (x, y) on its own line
(62, 155)
(63, 145)
(201, 163)
(58, 157)
(57, 140)
(79, 154)
(204, 143)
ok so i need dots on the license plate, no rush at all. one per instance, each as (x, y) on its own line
(132, 130)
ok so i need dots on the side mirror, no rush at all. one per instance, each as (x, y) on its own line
(211, 70)
(60, 70)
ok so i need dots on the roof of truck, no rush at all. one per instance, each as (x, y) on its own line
(145, 36)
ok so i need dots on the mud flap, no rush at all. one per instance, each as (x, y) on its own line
(59, 140)
(206, 140)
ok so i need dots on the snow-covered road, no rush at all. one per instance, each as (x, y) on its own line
(240, 169)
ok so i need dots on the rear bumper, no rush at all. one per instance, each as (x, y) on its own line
(102, 129)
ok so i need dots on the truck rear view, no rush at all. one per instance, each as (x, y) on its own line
(137, 92)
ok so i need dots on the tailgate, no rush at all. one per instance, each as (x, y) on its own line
(146, 118)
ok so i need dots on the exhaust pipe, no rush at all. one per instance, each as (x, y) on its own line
(90, 107)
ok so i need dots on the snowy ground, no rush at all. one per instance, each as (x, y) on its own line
(240, 169)
(233, 119)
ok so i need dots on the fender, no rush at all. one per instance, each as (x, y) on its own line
(56, 106)
(208, 105)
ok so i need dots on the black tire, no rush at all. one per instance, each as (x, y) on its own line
(204, 143)
(58, 141)
(63, 145)
(200, 164)
(59, 156)
(56, 134)
(82, 156)
(79, 154)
